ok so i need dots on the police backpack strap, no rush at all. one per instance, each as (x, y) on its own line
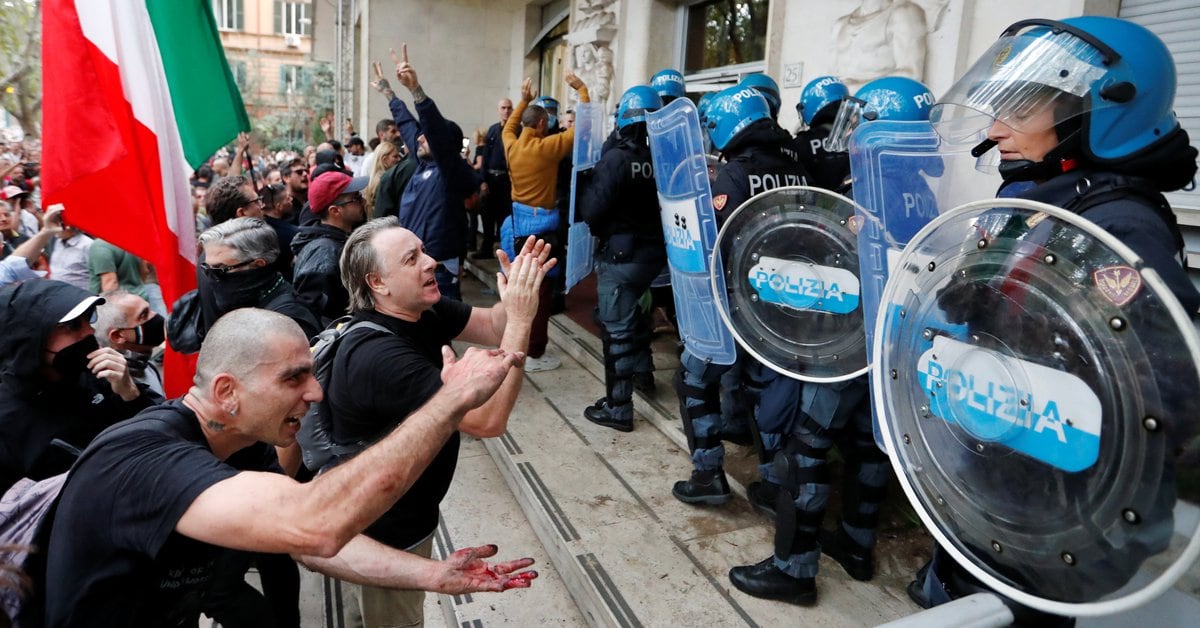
(318, 449)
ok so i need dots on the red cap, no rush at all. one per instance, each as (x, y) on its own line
(324, 189)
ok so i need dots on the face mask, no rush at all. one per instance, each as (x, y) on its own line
(151, 333)
(72, 359)
(244, 289)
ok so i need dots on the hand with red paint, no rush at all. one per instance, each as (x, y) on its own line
(465, 571)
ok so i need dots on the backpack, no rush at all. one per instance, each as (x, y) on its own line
(22, 510)
(26, 512)
(317, 446)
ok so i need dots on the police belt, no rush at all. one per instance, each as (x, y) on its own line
(497, 173)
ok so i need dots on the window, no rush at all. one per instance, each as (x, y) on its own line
(292, 18)
(721, 33)
(294, 78)
(229, 15)
(239, 74)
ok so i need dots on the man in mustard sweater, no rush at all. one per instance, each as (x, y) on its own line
(533, 170)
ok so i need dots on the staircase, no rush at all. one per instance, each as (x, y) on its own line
(594, 507)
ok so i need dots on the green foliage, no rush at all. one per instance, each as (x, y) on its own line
(21, 63)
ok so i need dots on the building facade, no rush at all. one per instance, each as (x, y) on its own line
(269, 47)
(469, 53)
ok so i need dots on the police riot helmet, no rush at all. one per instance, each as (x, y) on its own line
(1106, 86)
(669, 85)
(732, 110)
(550, 104)
(635, 103)
(818, 96)
(766, 86)
(890, 98)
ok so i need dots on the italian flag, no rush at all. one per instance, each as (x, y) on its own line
(136, 94)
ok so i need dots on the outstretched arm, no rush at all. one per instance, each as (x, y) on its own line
(366, 561)
(269, 512)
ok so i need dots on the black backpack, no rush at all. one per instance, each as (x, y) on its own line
(316, 429)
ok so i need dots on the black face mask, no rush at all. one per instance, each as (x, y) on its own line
(151, 333)
(72, 359)
(244, 289)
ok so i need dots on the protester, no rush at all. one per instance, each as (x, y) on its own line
(533, 166)
(381, 377)
(194, 478)
(337, 199)
(125, 322)
(58, 387)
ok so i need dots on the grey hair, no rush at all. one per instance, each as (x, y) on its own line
(237, 342)
(109, 316)
(360, 258)
(252, 238)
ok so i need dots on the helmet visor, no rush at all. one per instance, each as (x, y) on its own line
(851, 112)
(1028, 80)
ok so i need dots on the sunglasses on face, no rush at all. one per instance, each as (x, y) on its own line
(218, 272)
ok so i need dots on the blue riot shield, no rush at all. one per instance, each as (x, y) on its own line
(789, 265)
(903, 174)
(1037, 386)
(589, 138)
(690, 227)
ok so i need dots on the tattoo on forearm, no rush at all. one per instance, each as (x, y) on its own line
(384, 86)
(418, 94)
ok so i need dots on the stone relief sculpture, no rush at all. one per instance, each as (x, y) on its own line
(594, 28)
(885, 38)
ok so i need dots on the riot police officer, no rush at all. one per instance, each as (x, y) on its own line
(796, 486)
(669, 84)
(818, 106)
(767, 87)
(759, 156)
(619, 202)
(1081, 112)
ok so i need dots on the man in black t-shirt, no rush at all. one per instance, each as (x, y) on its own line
(156, 500)
(379, 378)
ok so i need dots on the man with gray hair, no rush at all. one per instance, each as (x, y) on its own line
(380, 377)
(186, 481)
(237, 272)
(125, 322)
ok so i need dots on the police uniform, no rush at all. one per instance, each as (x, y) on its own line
(759, 158)
(619, 202)
(827, 170)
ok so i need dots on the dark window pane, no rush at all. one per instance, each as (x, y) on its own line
(725, 32)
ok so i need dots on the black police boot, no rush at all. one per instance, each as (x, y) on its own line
(762, 496)
(763, 579)
(644, 383)
(857, 560)
(601, 413)
(704, 487)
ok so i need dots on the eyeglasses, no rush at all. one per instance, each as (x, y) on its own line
(294, 172)
(358, 198)
(218, 272)
(76, 324)
(257, 199)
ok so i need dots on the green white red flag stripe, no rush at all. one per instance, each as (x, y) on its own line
(136, 93)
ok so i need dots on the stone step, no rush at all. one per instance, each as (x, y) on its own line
(627, 551)
(478, 510)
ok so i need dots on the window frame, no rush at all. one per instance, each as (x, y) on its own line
(720, 76)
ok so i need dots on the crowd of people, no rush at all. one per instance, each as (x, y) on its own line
(160, 516)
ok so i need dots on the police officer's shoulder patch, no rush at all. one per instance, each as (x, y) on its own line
(719, 201)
